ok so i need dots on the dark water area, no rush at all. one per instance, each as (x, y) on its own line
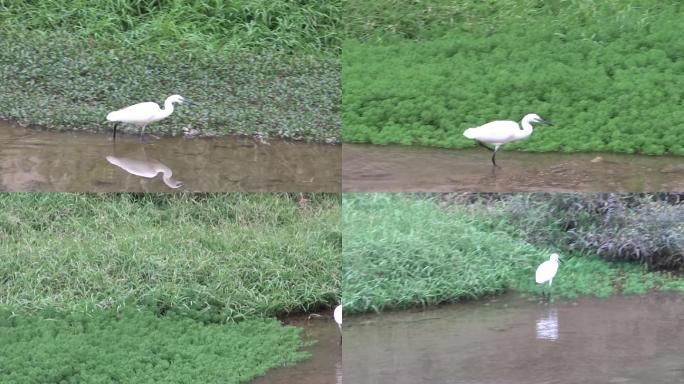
(325, 364)
(636, 339)
(368, 168)
(50, 161)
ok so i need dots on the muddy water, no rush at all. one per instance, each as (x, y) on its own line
(325, 364)
(417, 169)
(34, 160)
(618, 340)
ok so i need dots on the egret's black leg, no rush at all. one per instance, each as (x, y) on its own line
(494, 156)
(114, 136)
(482, 145)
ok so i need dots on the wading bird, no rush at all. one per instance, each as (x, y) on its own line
(500, 132)
(337, 314)
(547, 270)
(142, 114)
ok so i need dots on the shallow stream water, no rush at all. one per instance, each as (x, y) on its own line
(368, 168)
(325, 364)
(37, 160)
(510, 340)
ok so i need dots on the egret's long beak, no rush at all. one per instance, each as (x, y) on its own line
(188, 101)
(544, 121)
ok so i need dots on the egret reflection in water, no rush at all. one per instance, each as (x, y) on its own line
(547, 325)
(144, 166)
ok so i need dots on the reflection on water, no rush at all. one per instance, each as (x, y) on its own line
(34, 160)
(148, 168)
(325, 364)
(512, 340)
(418, 169)
(547, 325)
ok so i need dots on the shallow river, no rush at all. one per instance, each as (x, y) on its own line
(35, 160)
(511, 340)
(420, 169)
(325, 364)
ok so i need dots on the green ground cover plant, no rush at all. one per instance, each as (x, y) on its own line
(402, 251)
(607, 73)
(214, 258)
(138, 347)
(256, 68)
(149, 288)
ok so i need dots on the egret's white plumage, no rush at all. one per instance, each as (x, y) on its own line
(337, 314)
(547, 270)
(142, 114)
(145, 168)
(500, 132)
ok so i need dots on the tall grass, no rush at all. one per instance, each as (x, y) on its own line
(215, 258)
(405, 250)
(198, 25)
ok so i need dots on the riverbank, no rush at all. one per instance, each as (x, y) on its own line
(102, 271)
(606, 74)
(404, 251)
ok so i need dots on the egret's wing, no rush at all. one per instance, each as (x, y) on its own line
(499, 131)
(542, 270)
(137, 113)
(338, 314)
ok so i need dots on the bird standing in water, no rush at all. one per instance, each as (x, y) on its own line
(500, 132)
(546, 271)
(142, 114)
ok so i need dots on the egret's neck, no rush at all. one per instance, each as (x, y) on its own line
(168, 108)
(526, 130)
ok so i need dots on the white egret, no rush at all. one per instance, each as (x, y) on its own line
(145, 168)
(142, 114)
(337, 314)
(500, 132)
(547, 270)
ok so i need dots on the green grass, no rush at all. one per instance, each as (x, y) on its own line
(137, 347)
(215, 258)
(402, 251)
(265, 68)
(608, 74)
(197, 26)
(71, 84)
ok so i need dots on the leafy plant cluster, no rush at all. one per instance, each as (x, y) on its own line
(607, 74)
(137, 347)
(65, 83)
(214, 258)
(199, 26)
(403, 250)
(614, 226)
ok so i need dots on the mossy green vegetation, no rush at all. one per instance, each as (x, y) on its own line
(214, 257)
(131, 288)
(254, 68)
(403, 250)
(138, 347)
(608, 74)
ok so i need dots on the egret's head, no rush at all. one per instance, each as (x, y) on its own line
(177, 99)
(534, 118)
(555, 257)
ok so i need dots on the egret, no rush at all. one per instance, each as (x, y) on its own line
(145, 168)
(337, 314)
(142, 114)
(547, 270)
(500, 132)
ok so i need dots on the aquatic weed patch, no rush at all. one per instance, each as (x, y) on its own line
(62, 83)
(609, 75)
(211, 257)
(138, 347)
(402, 251)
